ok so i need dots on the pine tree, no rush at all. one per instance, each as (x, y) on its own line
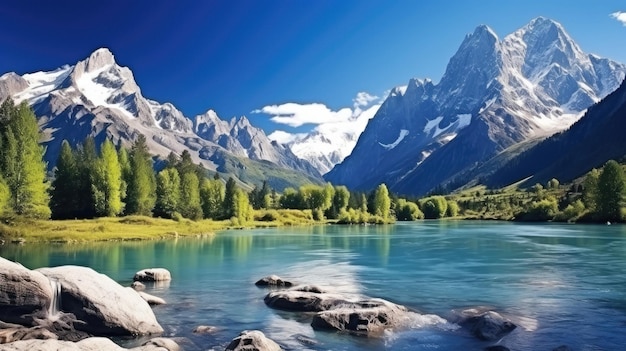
(22, 161)
(168, 193)
(112, 176)
(141, 191)
(229, 193)
(64, 199)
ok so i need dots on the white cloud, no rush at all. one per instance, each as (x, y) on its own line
(283, 137)
(296, 115)
(363, 99)
(620, 16)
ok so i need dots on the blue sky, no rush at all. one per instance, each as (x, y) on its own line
(239, 56)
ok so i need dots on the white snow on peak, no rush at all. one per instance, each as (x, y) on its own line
(97, 93)
(399, 90)
(463, 120)
(432, 124)
(40, 84)
(487, 104)
(403, 133)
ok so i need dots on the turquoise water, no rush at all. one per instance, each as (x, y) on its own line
(564, 284)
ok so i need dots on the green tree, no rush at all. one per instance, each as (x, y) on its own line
(291, 199)
(408, 211)
(434, 207)
(123, 158)
(611, 189)
(141, 192)
(340, 201)
(212, 193)
(229, 193)
(108, 166)
(382, 201)
(5, 197)
(590, 189)
(167, 193)
(453, 209)
(22, 163)
(242, 210)
(190, 196)
(64, 201)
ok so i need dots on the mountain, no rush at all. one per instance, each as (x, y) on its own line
(97, 97)
(494, 94)
(596, 138)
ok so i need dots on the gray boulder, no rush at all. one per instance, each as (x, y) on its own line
(486, 325)
(138, 286)
(153, 275)
(252, 340)
(105, 307)
(151, 299)
(302, 301)
(89, 344)
(204, 329)
(24, 294)
(273, 281)
(368, 317)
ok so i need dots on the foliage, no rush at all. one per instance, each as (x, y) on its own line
(212, 192)
(590, 189)
(452, 209)
(408, 211)
(382, 202)
(167, 193)
(541, 210)
(141, 192)
(434, 207)
(189, 205)
(611, 191)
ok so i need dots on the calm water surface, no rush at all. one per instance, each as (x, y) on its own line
(564, 284)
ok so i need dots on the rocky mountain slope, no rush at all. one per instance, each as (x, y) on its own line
(494, 94)
(98, 97)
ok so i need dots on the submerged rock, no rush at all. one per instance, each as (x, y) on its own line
(151, 299)
(486, 325)
(252, 340)
(153, 275)
(24, 294)
(105, 307)
(273, 281)
(138, 286)
(204, 329)
(368, 317)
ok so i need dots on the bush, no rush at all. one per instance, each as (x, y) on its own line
(543, 210)
(408, 211)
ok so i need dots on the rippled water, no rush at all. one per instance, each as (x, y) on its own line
(563, 284)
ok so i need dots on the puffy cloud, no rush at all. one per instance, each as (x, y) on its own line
(620, 16)
(363, 99)
(296, 115)
(283, 137)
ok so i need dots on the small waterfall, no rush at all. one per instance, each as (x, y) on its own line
(55, 304)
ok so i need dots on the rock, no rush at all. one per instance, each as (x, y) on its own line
(310, 288)
(153, 275)
(89, 344)
(367, 317)
(24, 294)
(273, 281)
(138, 286)
(151, 299)
(105, 307)
(162, 344)
(204, 329)
(302, 301)
(252, 340)
(486, 325)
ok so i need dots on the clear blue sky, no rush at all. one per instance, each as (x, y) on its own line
(237, 56)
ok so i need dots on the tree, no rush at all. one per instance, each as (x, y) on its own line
(167, 193)
(340, 201)
(229, 193)
(22, 163)
(553, 183)
(141, 196)
(5, 196)
(111, 177)
(242, 210)
(408, 211)
(434, 207)
(453, 209)
(382, 201)
(611, 190)
(212, 197)
(64, 200)
(189, 206)
(590, 189)
(260, 198)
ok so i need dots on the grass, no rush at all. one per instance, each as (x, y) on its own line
(138, 227)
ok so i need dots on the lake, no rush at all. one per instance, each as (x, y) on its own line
(565, 284)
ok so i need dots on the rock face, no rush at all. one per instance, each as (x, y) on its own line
(369, 317)
(105, 307)
(252, 340)
(90, 344)
(273, 281)
(487, 325)
(153, 275)
(24, 294)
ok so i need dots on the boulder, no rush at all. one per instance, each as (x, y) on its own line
(153, 275)
(89, 344)
(138, 286)
(310, 288)
(486, 325)
(105, 307)
(24, 294)
(368, 317)
(151, 299)
(252, 340)
(302, 301)
(273, 281)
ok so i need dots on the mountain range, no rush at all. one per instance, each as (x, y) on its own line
(494, 94)
(97, 97)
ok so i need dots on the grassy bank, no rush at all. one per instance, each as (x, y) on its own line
(137, 227)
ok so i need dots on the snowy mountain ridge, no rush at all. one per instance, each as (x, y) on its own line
(494, 93)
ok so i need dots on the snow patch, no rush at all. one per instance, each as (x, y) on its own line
(40, 84)
(97, 93)
(432, 124)
(487, 104)
(403, 133)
